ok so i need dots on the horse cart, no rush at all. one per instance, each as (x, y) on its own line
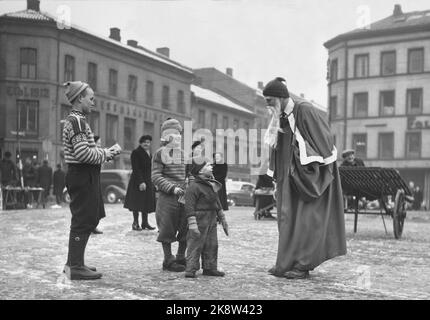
(382, 184)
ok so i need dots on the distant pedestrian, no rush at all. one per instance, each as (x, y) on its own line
(45, 180)
(29, 173)
(9, 170)
(220, 171)
(349, 159)
(59, 184)
(140, 195)
(418, 198)
(203, 208)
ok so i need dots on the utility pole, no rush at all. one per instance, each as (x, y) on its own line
(18, 134)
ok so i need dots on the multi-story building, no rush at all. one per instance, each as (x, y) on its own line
(213, 111)
(379, 94)
(136, 89)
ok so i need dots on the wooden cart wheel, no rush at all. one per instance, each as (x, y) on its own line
(399, 213)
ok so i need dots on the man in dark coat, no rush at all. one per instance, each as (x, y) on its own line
(44, 177)
(349, 159)
(9, 171)
(220, 170)
(59, 184)
(310, 231)
(140, 192)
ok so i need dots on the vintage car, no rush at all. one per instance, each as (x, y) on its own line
(240, 193)
(114, 184)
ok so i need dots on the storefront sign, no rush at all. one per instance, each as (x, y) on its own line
(418, 124)
(27, 92)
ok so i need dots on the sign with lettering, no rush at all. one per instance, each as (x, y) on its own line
(423, 123)
(27, 92)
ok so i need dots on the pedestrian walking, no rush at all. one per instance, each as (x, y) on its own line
(168, 175)
(44, 178)
(59, 184)
(220, 171)
(82, 178)
(309, 198)
(140, 195)
(203, 208)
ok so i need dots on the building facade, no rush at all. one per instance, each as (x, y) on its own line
(379, 94)
(212, 111)
(136, 89)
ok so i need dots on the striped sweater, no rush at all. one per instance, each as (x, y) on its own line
(78, 141)
(168, 169)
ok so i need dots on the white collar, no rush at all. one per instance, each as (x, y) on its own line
(290, 106)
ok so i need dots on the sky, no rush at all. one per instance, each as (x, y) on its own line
(258, 39)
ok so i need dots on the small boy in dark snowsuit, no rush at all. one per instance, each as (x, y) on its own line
(203, 208)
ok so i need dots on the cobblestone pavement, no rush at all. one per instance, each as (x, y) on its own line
(33, 249)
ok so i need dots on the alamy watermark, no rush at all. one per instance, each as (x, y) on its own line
(239, 147)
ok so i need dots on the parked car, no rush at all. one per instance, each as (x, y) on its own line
(114, 184)
(240, 193)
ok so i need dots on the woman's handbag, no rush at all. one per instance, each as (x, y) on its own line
(308, 181)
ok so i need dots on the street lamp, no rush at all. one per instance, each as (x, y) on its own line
(19, 134)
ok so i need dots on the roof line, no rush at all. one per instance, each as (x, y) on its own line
(155, 56)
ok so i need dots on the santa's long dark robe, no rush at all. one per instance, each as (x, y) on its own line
(309, 232)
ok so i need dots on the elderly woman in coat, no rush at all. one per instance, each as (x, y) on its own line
(140, 192)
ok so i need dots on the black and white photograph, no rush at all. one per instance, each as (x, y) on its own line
(214, 155)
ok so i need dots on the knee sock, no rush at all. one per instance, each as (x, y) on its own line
(167, 250)
(136, 217)
(182, 247)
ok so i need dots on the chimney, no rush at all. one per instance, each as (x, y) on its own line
(165, 51)
(115, 34)
(397, 10)
(132, 43)
(229, 72)
(260, 85)
(33, 5)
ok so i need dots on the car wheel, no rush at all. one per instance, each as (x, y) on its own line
(111, 196)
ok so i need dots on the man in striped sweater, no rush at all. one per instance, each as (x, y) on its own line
(83, 158)
(168, 175)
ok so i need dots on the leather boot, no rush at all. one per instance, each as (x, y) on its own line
(213, 273)
(68, 258)
(76, 269)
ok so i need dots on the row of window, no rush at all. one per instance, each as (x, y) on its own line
(386, 145)
(414, 103)
(28, 70)
(201, 122)
(388, 64)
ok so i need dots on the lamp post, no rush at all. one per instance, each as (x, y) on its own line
(19, 134)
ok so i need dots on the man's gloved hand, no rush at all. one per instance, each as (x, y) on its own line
(193, 228)
(221, 219)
